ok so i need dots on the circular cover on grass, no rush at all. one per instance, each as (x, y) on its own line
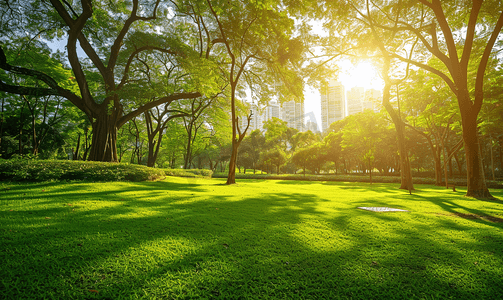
(382, 209)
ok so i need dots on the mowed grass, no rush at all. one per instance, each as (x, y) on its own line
(198, 238)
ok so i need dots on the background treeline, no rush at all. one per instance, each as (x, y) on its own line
(197, 136)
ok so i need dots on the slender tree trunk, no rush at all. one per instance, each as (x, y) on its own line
(438, 166)
(21, 124)
(458, 164)
(446, 177)
(188, 153)
(231, 177)
(370, 171)
(2, 120)
(492, 156)
(501, 153)
(77, 148)
(87, 146)
(35, 143)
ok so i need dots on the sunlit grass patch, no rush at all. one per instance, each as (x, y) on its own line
(199, 238)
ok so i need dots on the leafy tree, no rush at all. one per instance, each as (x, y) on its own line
(276, 157)
(252, 146)
(303, 139)
(492, 116)
(311, 157)
(456, 34)
(362, 134)
(113, 36)
(257, 38)
(275, 133)
(432, 115)
(332, 144)
(171, 152)
(157, 120)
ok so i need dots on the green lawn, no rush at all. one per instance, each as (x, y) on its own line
(198, 238)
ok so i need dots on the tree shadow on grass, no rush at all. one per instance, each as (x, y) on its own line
(272, 245)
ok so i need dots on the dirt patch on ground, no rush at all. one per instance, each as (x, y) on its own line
(472, 217)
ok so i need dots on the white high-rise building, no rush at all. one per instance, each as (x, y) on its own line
(256, 119)
(293, 115)
(288, 113)
(272, 110)
(333, 102)
(354, 101)
(299, 117)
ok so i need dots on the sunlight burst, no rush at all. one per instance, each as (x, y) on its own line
(362, 75)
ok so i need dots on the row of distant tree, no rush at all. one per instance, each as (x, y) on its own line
(196, 135)
(360, 143)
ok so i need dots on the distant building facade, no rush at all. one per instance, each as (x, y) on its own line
(293, 114)
(256, 121)
(333, 104)
(354, 100)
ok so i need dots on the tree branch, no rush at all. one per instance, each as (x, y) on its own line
(155, 103)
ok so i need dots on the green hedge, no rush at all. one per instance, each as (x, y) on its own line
(352, 178)
(44, 170)
(189, 172)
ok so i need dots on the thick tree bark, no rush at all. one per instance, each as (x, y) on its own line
(476, 184)
(104, 141)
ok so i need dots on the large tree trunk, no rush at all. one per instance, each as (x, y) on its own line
(153, 150)
(104, 141)
(476, 184)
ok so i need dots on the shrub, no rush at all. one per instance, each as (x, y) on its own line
(189, 172)
(43, 170)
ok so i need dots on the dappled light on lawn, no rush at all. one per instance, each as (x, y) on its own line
(258, 239)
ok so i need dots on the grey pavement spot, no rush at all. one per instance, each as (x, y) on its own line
(382, 209)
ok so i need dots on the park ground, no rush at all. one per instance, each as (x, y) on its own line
(182, 238)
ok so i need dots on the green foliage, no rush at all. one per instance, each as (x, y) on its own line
(275, 132)
(275, 156)
(189, 172)
(43, 170)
